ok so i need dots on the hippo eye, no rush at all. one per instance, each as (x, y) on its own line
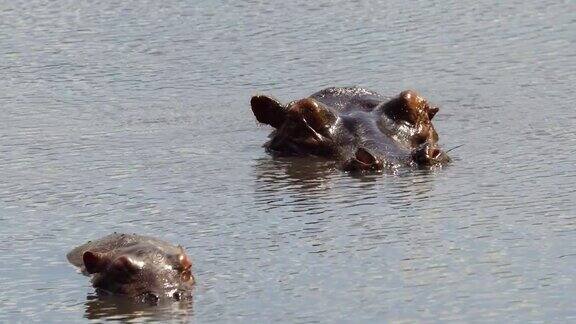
(177, 295)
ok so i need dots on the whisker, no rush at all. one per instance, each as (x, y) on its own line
(455, 147)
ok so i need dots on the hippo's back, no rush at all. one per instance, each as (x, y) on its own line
(349, 98)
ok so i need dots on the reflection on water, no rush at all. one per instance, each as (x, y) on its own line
(134, 116)
(313, 185)
(295, 181)
(119, 309)
(306, 173)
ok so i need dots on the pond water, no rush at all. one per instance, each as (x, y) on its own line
(134, 116)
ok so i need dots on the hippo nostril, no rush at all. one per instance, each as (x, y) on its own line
(151, 298)
(177, 295)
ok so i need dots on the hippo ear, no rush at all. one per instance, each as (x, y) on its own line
(432, 112)
(268, 111)
(183, 259)
(94, 262)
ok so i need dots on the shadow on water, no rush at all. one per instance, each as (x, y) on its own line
(308, 174)
(293, 181)
(320, 206)
(112, 308)
(314, 185)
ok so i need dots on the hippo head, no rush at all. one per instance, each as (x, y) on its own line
(398, 131)
(143, 271)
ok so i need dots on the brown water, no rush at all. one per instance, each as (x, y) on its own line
(134, 116)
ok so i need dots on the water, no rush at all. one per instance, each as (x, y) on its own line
(134, 116)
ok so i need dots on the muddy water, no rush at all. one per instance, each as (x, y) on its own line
(134, 116)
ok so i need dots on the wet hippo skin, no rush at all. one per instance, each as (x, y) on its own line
(139, 267)
(359, 128)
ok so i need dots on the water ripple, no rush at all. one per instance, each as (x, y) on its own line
(133, 116)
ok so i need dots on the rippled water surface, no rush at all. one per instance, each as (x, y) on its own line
(134, 116)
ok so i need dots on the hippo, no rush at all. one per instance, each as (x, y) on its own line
(139, 267)
(359, 128)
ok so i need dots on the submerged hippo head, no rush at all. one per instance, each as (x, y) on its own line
(137, 266)
(357, 127)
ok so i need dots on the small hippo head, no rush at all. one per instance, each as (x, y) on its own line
(150, 272)
(303, 127)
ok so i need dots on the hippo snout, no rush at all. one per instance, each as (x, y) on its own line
(428, 155)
